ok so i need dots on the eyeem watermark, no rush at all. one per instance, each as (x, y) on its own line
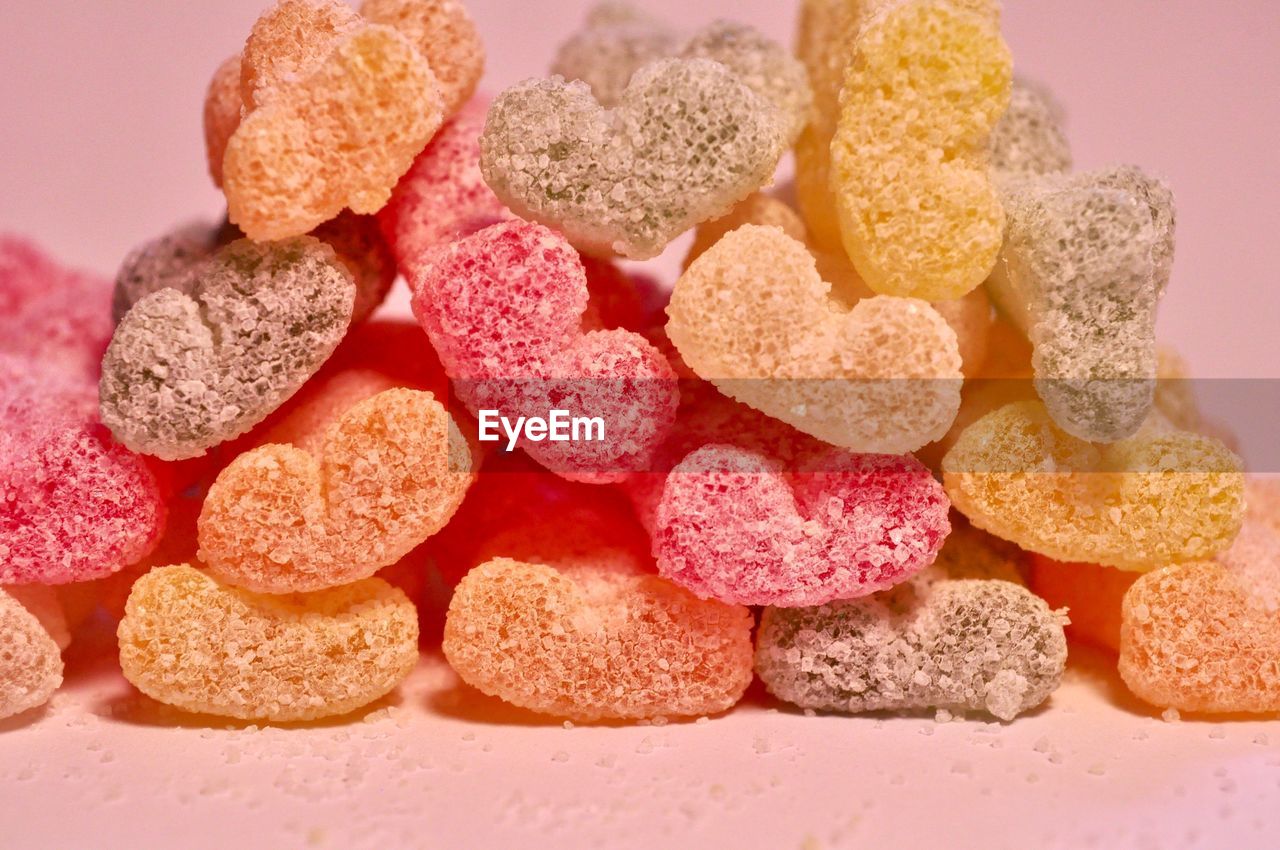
(559, 426)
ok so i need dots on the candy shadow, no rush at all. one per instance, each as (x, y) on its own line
(23, 719)
(135, 708)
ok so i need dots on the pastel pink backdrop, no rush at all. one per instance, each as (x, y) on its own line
(100, 143)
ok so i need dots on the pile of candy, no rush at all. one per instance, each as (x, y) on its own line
(874, 447)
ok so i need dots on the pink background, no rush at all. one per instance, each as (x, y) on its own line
(102, 144)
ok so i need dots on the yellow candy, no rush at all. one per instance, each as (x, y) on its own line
(1160, 497)
(919, 215)
(189, 641)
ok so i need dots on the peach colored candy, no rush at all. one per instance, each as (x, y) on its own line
(1262, 497)
(971, 317)
(191, 642)
(1160, 497)
(753, 316)
(1092, 595)
(392, 471)
(222, 108)
(1206, 636)
(43, 603)
(596, 643)
(444, 33)
(30, 661)
(289, 165)
(688, 140)
(289, 42)
(919, 214)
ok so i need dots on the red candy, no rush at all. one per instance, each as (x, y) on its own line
(504, 309)
(732, 526)
(74, 504)
(443, 197)
(50, 315)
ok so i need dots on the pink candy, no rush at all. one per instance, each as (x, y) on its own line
(74, 504)
(53, 316)
(733, 526)
(443, 197)
(504, 309)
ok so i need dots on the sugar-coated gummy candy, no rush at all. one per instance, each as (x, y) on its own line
(1085, 262)
(43, 603)
(74, 504)
(595, 644)
(222, 112)
(1160, 497)
(1092, 594)
(733, 526)
(503, 308)
(617, 41)
(176, 260)
(289, 165)
(970, 317)
(186, 372)
(1030, 139)
(392, 471)
(30, 661)
(687, 141)
(443, 196)
(967, 644)
(753, 316)
(444, 34)
(289, 42)
(188, 641)
(55, 317)
(919, 213)
(1205, 636)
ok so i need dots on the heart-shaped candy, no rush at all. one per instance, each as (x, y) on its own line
(592, 644)
(752, 316)
(688, 141)
(1160, 497)
(504, 309)
(732, 526)
(393, 470)
(186, 372)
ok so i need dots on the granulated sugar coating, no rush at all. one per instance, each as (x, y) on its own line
(393, 470)
(290, 42)
(1205, 636)
(177, 259)
(756, 208)
(935, 642)
(188, 641)
(1092, 594)
(753, 317)
(443, 197)
(74, 504)
(618, 40)
(57, 318)
(593, 644)
(42, 601)
(288, 166)
(1085, 263)
(30, 661)
(504, 309)
(444, 34)
(186, 372)
(732, 527)
(222, 110)
(1030, 139)
(687, 141)
(910, 166)
(1160, 497)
